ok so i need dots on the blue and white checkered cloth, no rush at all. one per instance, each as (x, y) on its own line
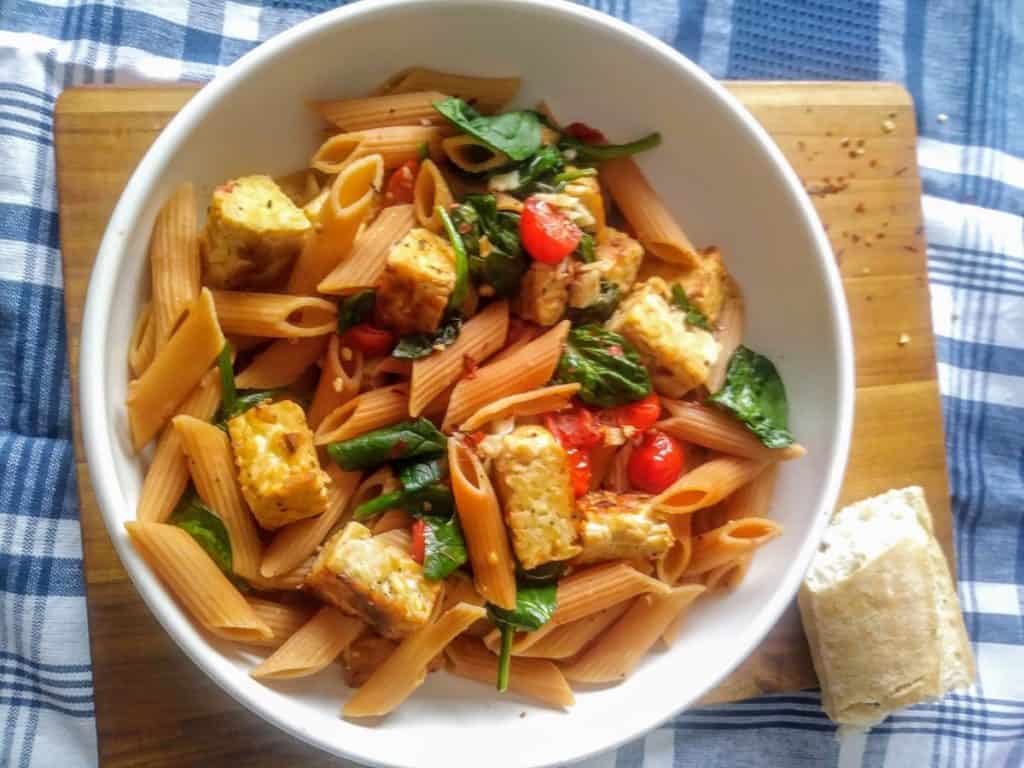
(964, 64)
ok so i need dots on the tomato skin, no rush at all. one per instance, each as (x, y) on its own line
(547, 234)
(372, 342)
(418, 547)
(585, 133)
(400, 184)
(641, 415)
(575, 428)
(579, 470)
(656, 462)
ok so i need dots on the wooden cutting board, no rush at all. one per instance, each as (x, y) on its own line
(853, 145)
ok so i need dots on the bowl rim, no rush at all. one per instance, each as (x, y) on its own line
(96, 429)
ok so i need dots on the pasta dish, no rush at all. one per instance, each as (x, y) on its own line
(461, 394)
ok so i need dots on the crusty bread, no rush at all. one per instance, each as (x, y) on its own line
(881, 613)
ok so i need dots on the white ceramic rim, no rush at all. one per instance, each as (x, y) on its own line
(95, 323)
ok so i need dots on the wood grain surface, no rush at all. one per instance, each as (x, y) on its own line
(853, 145)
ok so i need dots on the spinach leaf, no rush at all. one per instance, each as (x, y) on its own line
(417, 345)
(596, 153)
(415, 476)
(461, 287)
(693, 315)
(754, 393)
(231, 402)
(434, 500)
(586, 250)
(566, 177)
(535, 605)
(607, 367)
(196, 519)
(517, 134)
(444, 548)
(498, 261)
(412, 439)
(601, 309)
(542, 574)
(539, 169)
(355, 309)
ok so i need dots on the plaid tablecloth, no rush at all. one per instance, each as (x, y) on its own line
(962, 60)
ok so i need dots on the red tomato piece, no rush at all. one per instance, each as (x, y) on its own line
(575, 428)
(579, 470)
(585, 133)
(656, 462)
(401, 182)
(641, 415)
(547, 234)
(372, 342)
(418, 547)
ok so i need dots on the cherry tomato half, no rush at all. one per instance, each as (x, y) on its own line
(585, 133)
(401, 183)
(656, 462)
(575, 428)
(418, 547)
(372, 342)
(547, 234)
(579, 470)
(641, 415)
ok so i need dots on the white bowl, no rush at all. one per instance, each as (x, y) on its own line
(716, 167)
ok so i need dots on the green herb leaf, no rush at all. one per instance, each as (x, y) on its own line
(232, 403)
(754, 393)
(693, 315)
(196, 519)
(508, 633)
(378, 505)
(601, 309)
(543, 574)
(461, 287)
(517, 134)
(607, 367)
(502, 264)
(566, 177)
(417, 345)
(534, 607)
(596, 153)
(355, 309)
(539, 169)
(586, 250)
(434, 499)
(416, 476)
(444, 548)
(413, 439)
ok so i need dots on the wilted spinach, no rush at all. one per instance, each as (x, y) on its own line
(607, 367)
(517, 134)
(196, 519)
(417, 345)
(601, 309)
(693, 315)
(754, 393)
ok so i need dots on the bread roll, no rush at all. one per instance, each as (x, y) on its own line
(881, 612)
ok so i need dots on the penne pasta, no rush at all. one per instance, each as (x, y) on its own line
(370, 410)
(531, 366)
(566, 641)
(175, 371)
(301, 186)
(654, 224)
(284, 620)
(729, 334)
(533, 678)
(405, 669)
(281, 363)
(620, 649)
(315, 645)
(396, 537)
(295, 542)
(481, 337)
(671, 566)
(730, 541)
(471, 155)
(617, 478)
(142, 346)
(543, 400)
(174, 261)
(347, 204)
(706, 485)
(728, 575)
(212, 466)
(274, 315)
(486, 94)
(751, 500)
(167, 476)
(414, 108)
(341, 373)
(482, 526)
(430, 190)
(196, 581)
(394, 145)
(715, 429)
(393, 519)
(291, 581)
(364, 267)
